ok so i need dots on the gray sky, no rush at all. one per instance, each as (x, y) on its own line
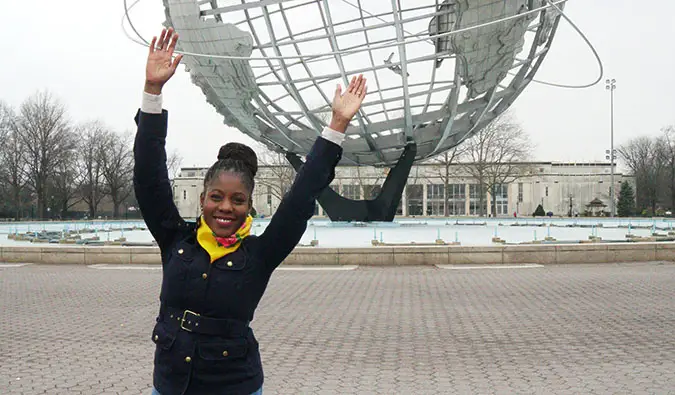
(78, 51)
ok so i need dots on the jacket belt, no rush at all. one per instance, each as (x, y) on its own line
(193, 322)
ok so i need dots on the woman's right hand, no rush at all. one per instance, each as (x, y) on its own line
(161, 65)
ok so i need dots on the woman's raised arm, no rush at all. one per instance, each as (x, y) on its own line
(289, 222)
(151, 178)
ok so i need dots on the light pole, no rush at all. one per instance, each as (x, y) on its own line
(610, 85)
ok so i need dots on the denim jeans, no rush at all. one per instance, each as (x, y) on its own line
(155, 392)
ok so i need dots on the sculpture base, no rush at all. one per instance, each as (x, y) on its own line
(382, 208)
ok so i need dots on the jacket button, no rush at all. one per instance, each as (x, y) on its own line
(204, 276)
(229, 264)
(156, 337)
(225, 353)
(180, 251)
(188, 359)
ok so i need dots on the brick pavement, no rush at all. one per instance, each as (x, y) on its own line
(566, 329)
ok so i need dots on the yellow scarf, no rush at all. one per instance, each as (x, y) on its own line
(218, 247)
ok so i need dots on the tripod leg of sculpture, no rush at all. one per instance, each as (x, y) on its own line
(382, 208)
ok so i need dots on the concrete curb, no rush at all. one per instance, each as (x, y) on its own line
(373, 256)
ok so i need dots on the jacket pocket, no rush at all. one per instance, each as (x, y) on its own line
(163, 338)
(176, 271)
(224, 351)
(232, 262)
(184, 252)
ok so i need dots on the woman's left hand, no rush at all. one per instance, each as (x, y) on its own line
(346, 105)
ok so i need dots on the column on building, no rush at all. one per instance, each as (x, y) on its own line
(424, 199)
(467, 199)
(404, 202)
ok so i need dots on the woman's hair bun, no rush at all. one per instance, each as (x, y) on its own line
(242, 153)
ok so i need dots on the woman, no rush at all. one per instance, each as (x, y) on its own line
(214, 273)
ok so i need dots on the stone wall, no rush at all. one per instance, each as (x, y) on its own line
(374, 256)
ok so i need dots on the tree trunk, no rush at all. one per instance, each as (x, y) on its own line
(672, 188)
(481, 200)
(17, 204)
(116, 208)
(494, 205)
(64, 209)
(40, 205)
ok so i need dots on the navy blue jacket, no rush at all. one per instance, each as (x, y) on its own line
(229, 288)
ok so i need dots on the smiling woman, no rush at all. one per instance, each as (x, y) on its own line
(228, 189)
(214, 272)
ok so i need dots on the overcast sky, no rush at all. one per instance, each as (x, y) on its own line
(77, 50)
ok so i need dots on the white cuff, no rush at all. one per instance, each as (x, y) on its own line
(151, 104)
(333, 136)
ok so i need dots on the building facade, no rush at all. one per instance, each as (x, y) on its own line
(561, 188)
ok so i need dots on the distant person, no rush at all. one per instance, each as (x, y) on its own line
(214, 272)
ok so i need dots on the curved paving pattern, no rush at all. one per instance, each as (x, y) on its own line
(566, 329)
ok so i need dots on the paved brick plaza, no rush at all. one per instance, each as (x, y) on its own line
(577, 329)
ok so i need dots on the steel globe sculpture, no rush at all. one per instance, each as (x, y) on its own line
(438, 71)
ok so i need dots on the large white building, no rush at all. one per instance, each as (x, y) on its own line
(560, 188)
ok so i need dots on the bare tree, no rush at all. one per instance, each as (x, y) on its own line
(46, 137)
(414, 192)
(668, 149)
(12, 163)
(493, 154)
(173, 163)
(278, 174)
(646, 159)
(117, 161)
(7, 119)
(370, 184)
(443, 164)
(92, 144)
(63, 186)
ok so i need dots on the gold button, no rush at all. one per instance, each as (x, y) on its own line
(180, 251)
(225, 353)
(188, 359)
(229, 264)
(156, 337)
(204, 276)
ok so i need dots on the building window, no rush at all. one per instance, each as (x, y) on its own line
(351, 192)
(502, 199)
(269, 196)
(546, 191)
(415, 194)
(456, 199)
(435, 198)
(474, 201)
(191, 174)
(520, 192)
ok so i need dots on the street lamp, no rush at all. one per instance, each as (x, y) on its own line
(610, 85)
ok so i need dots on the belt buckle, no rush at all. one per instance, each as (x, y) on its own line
(182, 321)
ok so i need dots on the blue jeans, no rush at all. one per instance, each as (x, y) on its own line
(155, 392)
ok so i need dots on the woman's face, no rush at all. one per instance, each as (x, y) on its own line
(226, 203)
